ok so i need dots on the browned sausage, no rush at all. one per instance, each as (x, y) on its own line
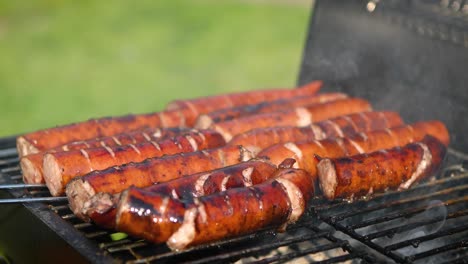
(184, 114)
(300, 116)
(61, 167)
(394, 168)
(304, 151)
(100, 207)
(31, 165)
(275, 203)
(206, 120)
(261, 138)
(212, 103)
(116, 179)
(53, 137)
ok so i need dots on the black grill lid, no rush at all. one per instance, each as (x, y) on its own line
(406, 56)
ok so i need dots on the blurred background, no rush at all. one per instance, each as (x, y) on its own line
(63, 61)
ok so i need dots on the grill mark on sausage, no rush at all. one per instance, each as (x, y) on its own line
(336, 127)
(351, 122)
(156, 145)
(135, 149)
(164, 204)
(422, 166)
(356, 146)
(224, 182)
(318, 132)
(192, 142)
(201, 209)
(384, 118)
(186, 232)
(366, 119)
(247, 176)
(109, 150)
(117, 141)
(146, 136)
(200, 183)
(174, 194)
(86, 155)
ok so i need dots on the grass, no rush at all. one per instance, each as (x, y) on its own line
(63, 61)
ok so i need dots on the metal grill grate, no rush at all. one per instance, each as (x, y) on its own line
(425, 223)
(302, 241)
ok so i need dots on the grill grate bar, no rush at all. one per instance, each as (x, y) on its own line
(21, 186)
(451, 246)
(139, 243)
(410, 226)
(412, 211)
(416, 241)
(230, 255)
(379, 206)
(292, 255)
(361, 238)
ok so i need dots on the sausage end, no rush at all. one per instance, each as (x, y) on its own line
(31, 173)
(78, 193)
(53, 175)
(327, 178)
(25, 147)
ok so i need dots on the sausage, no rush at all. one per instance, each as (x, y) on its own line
(396, 168)
(107, 126)
(31, 165)
(303, 152)
(151, 171)
(261, 138)
(101, 207)
(206, 120)
(61, 167)
(300, 116)
(212, 103)
(179, 114)
(275, 203)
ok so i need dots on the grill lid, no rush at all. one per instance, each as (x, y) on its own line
(407, 56)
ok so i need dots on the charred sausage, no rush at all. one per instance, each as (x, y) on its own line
(101, 207)
(53, 137)
(300, 116)
(212, 103)
(155, 170)
(61, 167)
(275, 203)
(31, 165)
(359, 143)
(261, 138)
(206, 120)
(396, 168)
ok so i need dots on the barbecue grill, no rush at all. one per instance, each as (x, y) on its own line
(406, 56)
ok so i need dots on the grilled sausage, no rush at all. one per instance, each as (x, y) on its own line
(261, 138)
(300, 116)
(61, 167)
(212, 103)
(116, 179)
(394, 168)
(31, 165)
(107, 126)
(303, 152)
(101, 207)
(275, 203)
(206, 120)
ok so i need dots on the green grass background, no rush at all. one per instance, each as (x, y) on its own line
(63, 61)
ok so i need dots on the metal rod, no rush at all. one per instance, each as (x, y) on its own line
(33, 200)
(21, 186)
